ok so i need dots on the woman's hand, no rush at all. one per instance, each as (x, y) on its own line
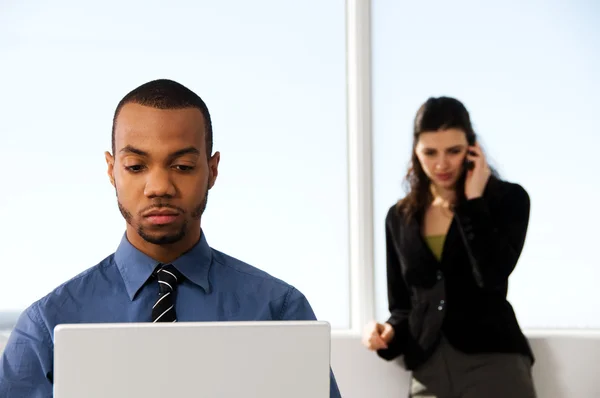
(479, 175)
(377, 336)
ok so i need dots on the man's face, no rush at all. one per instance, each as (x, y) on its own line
(161, 172)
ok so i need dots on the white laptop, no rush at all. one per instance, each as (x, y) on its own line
(200, 359)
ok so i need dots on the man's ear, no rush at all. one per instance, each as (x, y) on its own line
(213, 167)
(110, 163)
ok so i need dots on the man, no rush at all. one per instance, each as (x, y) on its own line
(162, 168)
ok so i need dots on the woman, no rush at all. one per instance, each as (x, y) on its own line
(452, 243)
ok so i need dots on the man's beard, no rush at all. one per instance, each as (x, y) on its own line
(166, 238)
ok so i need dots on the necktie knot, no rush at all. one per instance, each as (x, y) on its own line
(168, 278)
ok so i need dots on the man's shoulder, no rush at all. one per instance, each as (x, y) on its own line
(77, 286)
(285, 302)
(246, 272)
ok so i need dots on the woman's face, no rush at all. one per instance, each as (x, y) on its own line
(441, 154)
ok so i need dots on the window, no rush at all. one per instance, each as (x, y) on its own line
(273, 76)
(527, 72)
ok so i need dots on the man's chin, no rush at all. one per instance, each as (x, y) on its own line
(161, 237)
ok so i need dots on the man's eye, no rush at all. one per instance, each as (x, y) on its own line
(135, 168)
(183, 167)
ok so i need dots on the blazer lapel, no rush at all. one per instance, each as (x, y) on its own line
(451, 242)
(418, 260)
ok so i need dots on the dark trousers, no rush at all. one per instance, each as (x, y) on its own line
(450, 373)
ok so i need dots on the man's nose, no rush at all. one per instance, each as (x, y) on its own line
(159, 184)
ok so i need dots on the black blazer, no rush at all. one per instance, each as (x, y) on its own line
(463, 296)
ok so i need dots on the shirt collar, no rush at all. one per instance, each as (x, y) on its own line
(136, 267)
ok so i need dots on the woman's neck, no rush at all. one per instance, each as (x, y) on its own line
(442, 197)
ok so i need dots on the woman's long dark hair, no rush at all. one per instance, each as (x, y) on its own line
(435, 114)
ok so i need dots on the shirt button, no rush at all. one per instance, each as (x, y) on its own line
(439, 275)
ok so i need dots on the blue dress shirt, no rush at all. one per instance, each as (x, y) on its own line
(217, 287)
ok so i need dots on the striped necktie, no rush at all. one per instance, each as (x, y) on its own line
(168, 279)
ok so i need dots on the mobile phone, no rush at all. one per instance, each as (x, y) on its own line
(468, 164)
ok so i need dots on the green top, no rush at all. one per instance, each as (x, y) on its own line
(436, 244)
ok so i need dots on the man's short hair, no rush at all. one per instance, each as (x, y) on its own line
(166, 94)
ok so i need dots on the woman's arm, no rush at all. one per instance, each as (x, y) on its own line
(494, 236)
(398, 294)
